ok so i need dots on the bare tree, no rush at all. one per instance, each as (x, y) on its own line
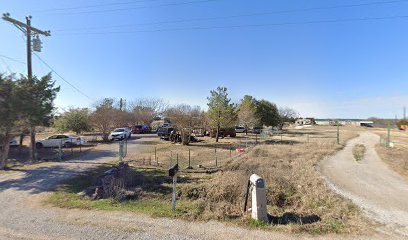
(103, 117)
(110, 114)
(287, 115)
(144, 110)
(185, 118)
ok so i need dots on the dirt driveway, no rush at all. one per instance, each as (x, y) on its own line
(380, 192)
(22, 215)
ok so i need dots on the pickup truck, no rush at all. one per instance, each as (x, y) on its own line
(164, 132)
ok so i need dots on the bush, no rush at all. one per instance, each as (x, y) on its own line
(401, 123)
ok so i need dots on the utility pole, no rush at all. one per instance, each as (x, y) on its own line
(405, 113)
(28, 30)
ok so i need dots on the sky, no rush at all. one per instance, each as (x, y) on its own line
(324, 58)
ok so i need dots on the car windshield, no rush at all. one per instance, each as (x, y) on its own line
(119, 130)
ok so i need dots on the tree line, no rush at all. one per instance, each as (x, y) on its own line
(222, 113)
(28, 103)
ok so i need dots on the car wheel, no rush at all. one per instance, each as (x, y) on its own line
(38, 145)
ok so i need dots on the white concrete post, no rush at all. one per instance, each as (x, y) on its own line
(259, 210)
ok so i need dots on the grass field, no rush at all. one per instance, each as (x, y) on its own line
(287, 162)
(396, 157)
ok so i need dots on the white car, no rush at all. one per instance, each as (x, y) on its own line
(60, 140)
(239, 129)
(120, 133)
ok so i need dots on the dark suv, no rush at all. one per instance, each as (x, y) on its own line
(164, 132)
(138, 129)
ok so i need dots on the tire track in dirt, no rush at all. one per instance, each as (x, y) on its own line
(381, 193)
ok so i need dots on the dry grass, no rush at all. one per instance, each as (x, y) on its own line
(395, 157)
(358, 152)
(294, 186)
(287, 162)
(206, 152)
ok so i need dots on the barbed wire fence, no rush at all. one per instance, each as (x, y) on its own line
(394, 137)
(216, 155)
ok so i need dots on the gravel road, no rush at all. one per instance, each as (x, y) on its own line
(22, 215)
(380, 192)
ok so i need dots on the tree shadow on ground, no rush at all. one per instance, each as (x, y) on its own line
(283, 142)
(222, 146)
(291, 218)
(46, 178)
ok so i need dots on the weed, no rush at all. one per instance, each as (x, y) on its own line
(358, 152)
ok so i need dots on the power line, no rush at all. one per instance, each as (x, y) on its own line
(93, 6)
(7, 66)
(234, 16)
(133, 8)
(12, 59)
(56, 73)
(244, 26)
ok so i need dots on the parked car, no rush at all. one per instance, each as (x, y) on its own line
(120, 133)
(62, 139)
(140, 129)
(13, 143)
(164, 132)
(239, 129)
(256, 130)
(223, 133)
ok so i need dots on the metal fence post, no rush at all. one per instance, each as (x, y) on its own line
(121, 151)
(60, 150)
(71, 146)
(388, 136)
(215, 151)
(230, 151)
(338, 134)
(189, 159)
(125, 152)
(155, 156)
(246, 141)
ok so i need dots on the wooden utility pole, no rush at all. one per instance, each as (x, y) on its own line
(28, 30)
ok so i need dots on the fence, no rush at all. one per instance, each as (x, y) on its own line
(303, 136)
(214, 155)
(65, 150)
(196, 155)
(394, 137)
